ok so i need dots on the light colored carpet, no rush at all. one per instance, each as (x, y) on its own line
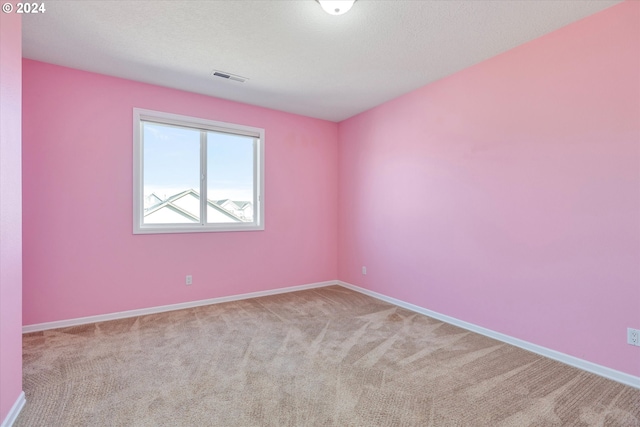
(322, 357)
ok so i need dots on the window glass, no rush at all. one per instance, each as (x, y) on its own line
(230, 177)
(171, 164)
(178, 160)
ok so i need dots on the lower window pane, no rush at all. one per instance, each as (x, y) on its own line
(230, 178)
(171, 179)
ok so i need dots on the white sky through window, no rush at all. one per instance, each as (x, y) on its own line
(171, 162)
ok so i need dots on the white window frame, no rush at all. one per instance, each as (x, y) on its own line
(139, 227)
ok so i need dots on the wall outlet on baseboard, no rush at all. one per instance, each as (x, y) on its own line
(633, 336)
(364, 270)
(189, 280)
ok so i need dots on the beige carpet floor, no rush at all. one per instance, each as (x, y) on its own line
(322, 357)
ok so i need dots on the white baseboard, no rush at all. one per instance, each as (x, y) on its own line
(594, 368)
(160, 309)
(15, 411)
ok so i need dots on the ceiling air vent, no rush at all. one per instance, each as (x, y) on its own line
(228, 76)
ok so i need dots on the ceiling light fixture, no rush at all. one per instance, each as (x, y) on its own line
(336, 7)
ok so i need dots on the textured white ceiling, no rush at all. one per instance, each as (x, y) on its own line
(297, 57)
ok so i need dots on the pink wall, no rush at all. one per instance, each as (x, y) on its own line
(508, 194)
(80, 256)
(10, 212)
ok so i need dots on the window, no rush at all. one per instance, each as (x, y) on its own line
(195, 175)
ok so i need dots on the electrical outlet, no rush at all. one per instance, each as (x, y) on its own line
(189, 280)
(364, 270)
(633, 336)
